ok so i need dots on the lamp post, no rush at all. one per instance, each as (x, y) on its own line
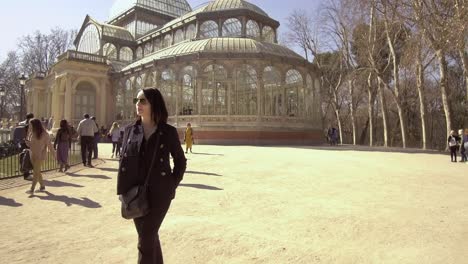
(22, 79)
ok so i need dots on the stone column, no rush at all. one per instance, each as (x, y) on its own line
(220, 27)
(244, 27)
(68, 99)
(103, 102)
(55, 104)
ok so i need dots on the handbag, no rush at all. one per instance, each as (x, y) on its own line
(135, 202)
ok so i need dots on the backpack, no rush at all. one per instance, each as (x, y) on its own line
(453, 141)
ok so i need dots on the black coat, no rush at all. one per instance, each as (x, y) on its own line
(163, 180)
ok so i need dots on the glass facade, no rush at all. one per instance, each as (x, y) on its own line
(273, 91)
(209, 29)
(232, 28)
(214, 91)
(179, 36)
(268, 34)
(167, 87)
(189, 94)
(110, 51)
(90, 41)
(253, 30)
(173, 8)
(126, 54)
(294, 84)
(244, 97)
(191, 32)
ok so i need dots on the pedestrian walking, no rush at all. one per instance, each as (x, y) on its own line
(96, 139)
(463, 144)
(62, 144)
(86, 129)
(453, 142)
(147, 144)
(39, 142)
(114, 134)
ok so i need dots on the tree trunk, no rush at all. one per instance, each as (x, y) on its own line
(396, 84)
(443, 89)
(384, 111)
(353, 118)
(370, 109)
(464, 59)
(422, 103)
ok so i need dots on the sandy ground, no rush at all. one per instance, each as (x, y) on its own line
(255, 205)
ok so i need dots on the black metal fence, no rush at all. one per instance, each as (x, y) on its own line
(10, 162)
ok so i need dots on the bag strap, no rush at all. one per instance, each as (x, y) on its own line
(153, 160)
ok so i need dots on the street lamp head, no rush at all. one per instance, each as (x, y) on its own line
(22, 79)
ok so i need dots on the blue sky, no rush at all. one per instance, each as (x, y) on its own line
(23, 17)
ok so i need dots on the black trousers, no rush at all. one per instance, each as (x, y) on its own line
(86, 148)
(453, 153)
(95, 147)
(149, 246)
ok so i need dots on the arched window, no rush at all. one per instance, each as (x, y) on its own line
(214, 91)
(294, 84)
(253, 30)
(109, 51)
(191, 32)
(157, 44)
(148, 48)
(120, 101)
(273, 91)
(167, 41)
(90, 40)
(126, 54)
(168, 90)
(209, 29)
(244, 98)
(189, 94)
(139, 53)
(150, 82)
(179, 36)
(139, 83)
(232, 28)
(129, 94)
(309, 97)
(85, 100)
(268, 34)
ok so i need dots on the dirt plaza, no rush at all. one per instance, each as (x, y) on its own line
(243, 204)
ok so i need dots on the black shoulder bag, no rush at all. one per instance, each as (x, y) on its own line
(135, 201)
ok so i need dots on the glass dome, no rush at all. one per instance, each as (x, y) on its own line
(174, 8)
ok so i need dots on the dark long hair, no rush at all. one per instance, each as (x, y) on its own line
(158, 106)
(37, 128)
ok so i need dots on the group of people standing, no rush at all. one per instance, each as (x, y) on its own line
(458, 142)
(332, 136)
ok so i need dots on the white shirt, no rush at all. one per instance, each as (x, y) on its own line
(87, 128)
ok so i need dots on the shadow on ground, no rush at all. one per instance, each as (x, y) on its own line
(55, 183)
(201, 186)
(208, 154)
(109, 169)
(97, 176)
(69, 201)
(203, 173)
(9, 202)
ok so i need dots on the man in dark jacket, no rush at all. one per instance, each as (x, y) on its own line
(20, 135)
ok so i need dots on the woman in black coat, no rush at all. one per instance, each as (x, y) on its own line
(151, 135)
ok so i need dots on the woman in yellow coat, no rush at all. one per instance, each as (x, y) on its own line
(188, 138)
